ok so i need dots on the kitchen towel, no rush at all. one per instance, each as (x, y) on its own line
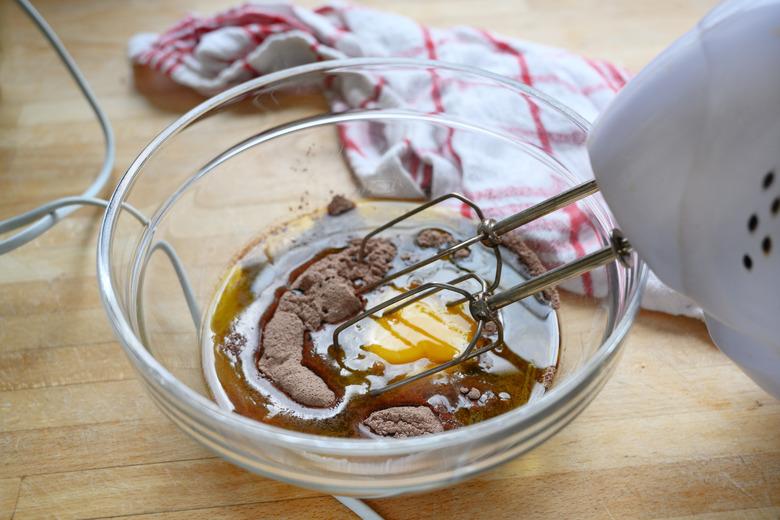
(211, 54)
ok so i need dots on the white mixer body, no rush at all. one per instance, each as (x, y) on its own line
(688, 159)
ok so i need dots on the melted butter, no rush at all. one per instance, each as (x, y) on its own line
(422, 330)
(235, 297)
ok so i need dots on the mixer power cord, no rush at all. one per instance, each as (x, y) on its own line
(49, 218)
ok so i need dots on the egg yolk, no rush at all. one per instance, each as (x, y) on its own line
(421, 330)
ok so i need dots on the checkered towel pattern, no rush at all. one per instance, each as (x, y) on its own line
(210, 54)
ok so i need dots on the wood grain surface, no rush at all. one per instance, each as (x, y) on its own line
(678, 432)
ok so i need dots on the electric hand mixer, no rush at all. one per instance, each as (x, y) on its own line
(688, 159)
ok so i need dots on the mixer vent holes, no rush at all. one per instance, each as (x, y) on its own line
(753, 221)
(769, 178)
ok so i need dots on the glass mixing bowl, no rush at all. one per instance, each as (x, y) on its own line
(268, 150)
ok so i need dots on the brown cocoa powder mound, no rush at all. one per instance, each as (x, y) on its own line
(326, 292)
(337, 301)
(339, 204)
(234, 343)
(346, 265)
(302, 306)
(490, 328)
(433, 237)
(546, 376)
(515, 243)
(281, 362)
(403, 421)
(439, 239)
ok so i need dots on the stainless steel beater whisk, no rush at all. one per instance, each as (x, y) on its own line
(485, 302)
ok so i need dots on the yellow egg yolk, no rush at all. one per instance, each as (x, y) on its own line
(421, 330)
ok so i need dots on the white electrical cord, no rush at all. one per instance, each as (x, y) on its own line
(49, 219)
(49, 207)
(359, 507)
(41, 219)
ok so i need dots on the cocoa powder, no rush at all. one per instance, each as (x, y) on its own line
(515, 243)
(326, 292)
(234, 343)
(339, 204)
(281, 362)
(489, 329)
(439, 239)
(546, 376)
(403, 421)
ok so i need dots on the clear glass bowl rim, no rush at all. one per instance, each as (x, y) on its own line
(204, 410)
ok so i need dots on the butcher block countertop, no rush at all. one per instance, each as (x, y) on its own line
(678, 432)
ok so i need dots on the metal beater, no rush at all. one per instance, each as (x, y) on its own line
(485, 302)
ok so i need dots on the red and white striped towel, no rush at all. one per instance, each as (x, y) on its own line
(210, 54)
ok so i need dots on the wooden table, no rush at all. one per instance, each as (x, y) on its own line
(678, 431)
